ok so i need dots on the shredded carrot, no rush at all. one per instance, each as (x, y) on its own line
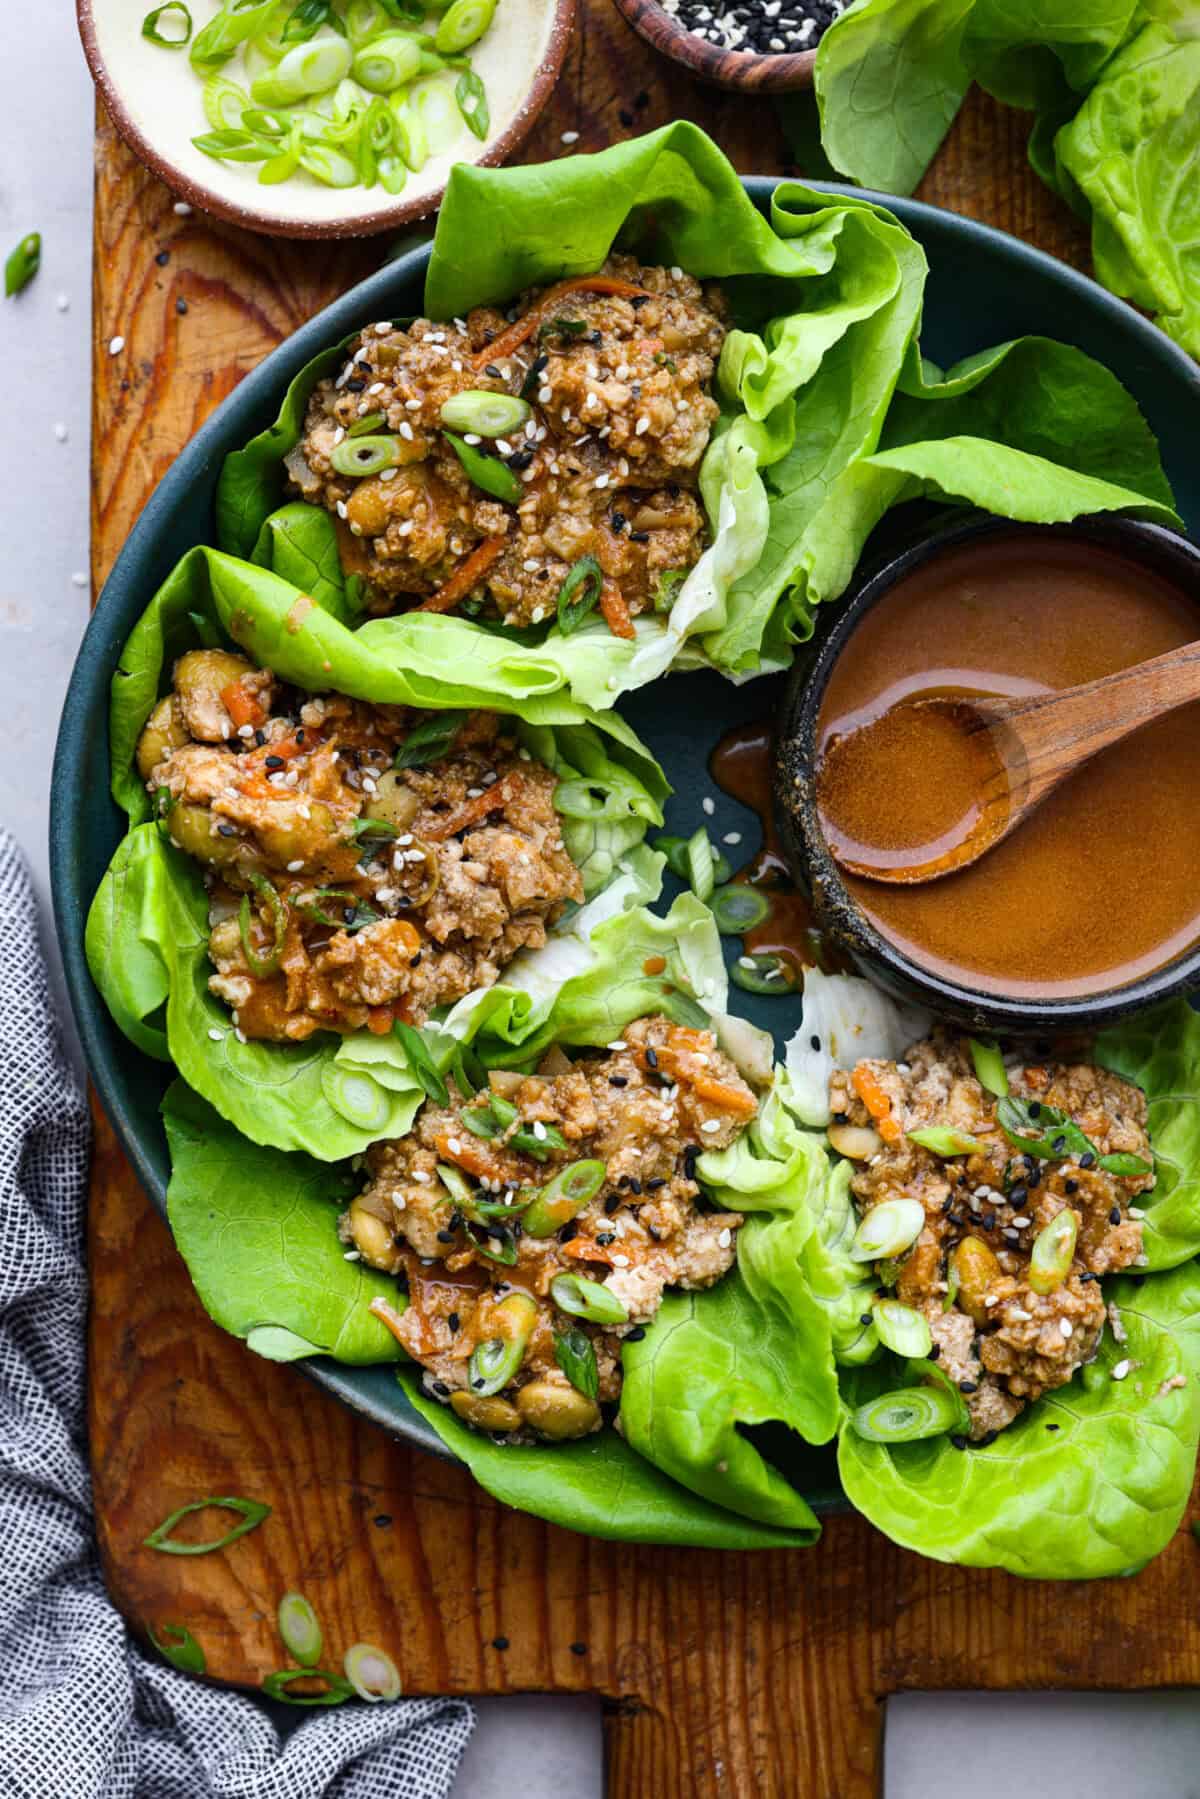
(873, 1097)
(727, 1099)
(385, 1311)
(615, 611)
(379, 1020)
(467, 575)
(1037, 1078)
(524, 327)
(471, 811)
(472, 1156)
(586, 1249)
(243, 708)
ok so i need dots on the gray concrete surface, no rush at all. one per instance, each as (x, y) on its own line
(1041, 1746)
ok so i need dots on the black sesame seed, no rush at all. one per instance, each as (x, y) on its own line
(520, 459)
(635, 1186)
(578, 1648)
(382, 1520)
(618, 522)
(959, 1442)
(273, 761)
(260, 737)
(499, 1642)
(355, 385)
(1070, 1187)
(445, 1236)
(453, 1321)
(639, 537)
(636, 1334)
(935, 1351)
(227, 830)
(181, 307)
(1054, 1427)
(654, 1185)
(968, 1386)
(1017, 1195)
(568, 1231)
(1058, 1145)
(611, 1204)
(989, 1222)
(841, 1118)
(618, 1080)
(947, 1202)
(1087, 1159)
(866, 1318)
(163, 258)
(604, 1238)
(1114, 1217)
(441, 1389)
(691, 1156)
(491, 369)
(1035, 1108)
(651, 1059)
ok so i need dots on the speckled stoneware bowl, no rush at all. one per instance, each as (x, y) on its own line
(1174, 557)
(154, 99)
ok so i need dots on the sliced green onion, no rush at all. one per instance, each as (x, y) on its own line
(1125, 1164)
(496, 1361)
(1041, 1130)
(579, 594)
(486, 472)
(1053, 1252)
(942, 1141)
(701, 863)
(667, 590)
(411, 142)
(264, 966)
(309, 69)
(456, 1184)
(471, 96)
(434, 103)
(581, 1298)
(393, 173)
(284, 165)
(225, 104)
(232, 26)
(300, 1630)
(279, 1685)
(176, 1644)
(422, 1063)
(329, 167)
(373, 830)
(181, 22)
(901, 1328)
(486, 414)
(388, 62)
(251, 1511)
(888, 1230)
(430, 741)
(739, 908)
(562, 1198)
(675, 850)
(539, 1146)
(907, 1416)
(575, 1354)
(490, 1119)
(470, 1075)
(262, 121)
(364, 19)
(306, 19)
(763, 973)
(463, 24)
(233, 146)
(990, 1071)
(358, 1098)
(366, 427)
(371, 1673)
(361, 456)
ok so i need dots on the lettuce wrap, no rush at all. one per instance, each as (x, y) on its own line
(147, 930)
(1114, 85)
(826, 296)
(258, 1229)
(1093, 1478)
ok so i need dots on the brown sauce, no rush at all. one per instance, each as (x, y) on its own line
(741, 767)
(1102, 883)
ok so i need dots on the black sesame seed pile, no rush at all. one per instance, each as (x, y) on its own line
(762, 27)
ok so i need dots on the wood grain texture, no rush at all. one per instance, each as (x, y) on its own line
(757, 1675)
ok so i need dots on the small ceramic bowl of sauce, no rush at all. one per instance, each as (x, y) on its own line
(1090, 910)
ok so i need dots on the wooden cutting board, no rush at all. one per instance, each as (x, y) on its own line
(758, 1674)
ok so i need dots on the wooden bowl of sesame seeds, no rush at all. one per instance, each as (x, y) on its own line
(748, 46)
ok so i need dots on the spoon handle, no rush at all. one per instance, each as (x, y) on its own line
(1049, 736)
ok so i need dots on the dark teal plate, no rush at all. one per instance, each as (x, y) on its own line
(983, 288)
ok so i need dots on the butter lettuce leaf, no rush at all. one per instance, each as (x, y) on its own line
(1160, 1052)
(258, 1231)
(1091, 1481)
(604, 1488)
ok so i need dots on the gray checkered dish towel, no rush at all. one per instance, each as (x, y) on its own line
(84, 1712)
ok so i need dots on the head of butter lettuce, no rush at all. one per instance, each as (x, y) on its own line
(826, 293)
(258, 1230)
(1094, 1477)
(147, 930)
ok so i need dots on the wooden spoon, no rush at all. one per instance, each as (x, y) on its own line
(1026, 749)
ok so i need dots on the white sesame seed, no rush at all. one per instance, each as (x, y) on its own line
(60, 431)
(620, 1261)
(63, 303)
(725, 1238)
(216, 1036)
(570, 137)
(422, 1179)
(746, 962)
(676, 272)
(182, 208)
(376, 387)
(539, 1130)
(351, 1255)
(406, 528)
(530, 564)
(471, 437)
(383, 327)
(1136, 1212)
(295, 867)
(355, 530)
(1141, 1261)
(1019, 1313)
(388, 474)
(115, 345)
(1066, 1327)
(619, 1044)
(1022, 1221)
(710, 1125)
(1122, 1369)
(601, 481)
(454, 1146)
(79, 579)
(708, 806)
(341, 508)
(732, 837)
(537, 615)
(406, 430)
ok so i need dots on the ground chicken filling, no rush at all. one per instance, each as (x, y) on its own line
(615, 369)
(1001, 1341)
(586, 1169)
(346, 892)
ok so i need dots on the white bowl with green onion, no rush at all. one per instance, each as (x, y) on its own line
(322, 118)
